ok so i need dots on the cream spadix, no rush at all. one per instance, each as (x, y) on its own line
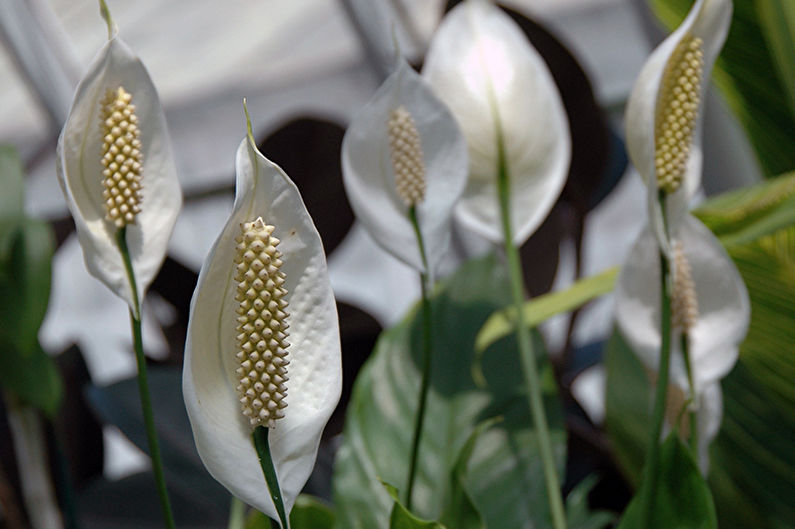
(267, 269)
(116, 170)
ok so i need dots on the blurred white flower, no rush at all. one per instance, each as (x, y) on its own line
(403, 150)
(507, 105)
(663, 118)
(266, 272)
(116, 170)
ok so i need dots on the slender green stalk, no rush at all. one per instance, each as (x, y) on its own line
(529, 367)
(143, 384)
(63, 478)
(426, 359)
(237, 514)
(691, 413)
(260, 437)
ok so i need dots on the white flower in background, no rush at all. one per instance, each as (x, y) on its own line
(263, 301)
(663, 118)
(504, 99)
(116, 170)
(404, 150)
(709, 304)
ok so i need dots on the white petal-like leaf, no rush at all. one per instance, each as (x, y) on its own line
(708, 20)
(369, 175)
(222, 433)
(80, 173)
(723, 305)
(503, 96)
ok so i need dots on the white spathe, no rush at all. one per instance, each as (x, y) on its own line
(80, 174)
(504, 99)
(222, 433)
(708, 20)
(369, 176)
(723, 305)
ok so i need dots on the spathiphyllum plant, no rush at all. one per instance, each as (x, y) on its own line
(509, 109)
(117, 171)
(403, 156)
(118, 175)
(262, 367)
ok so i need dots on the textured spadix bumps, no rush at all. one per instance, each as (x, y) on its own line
(404, 149)
(508, 106)
(663, 118)
(296, 282)
(115, 146)
(261, 325)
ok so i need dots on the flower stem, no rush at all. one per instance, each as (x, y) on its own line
(651, 469)
(691, 412)
(260, 437)
(426, 359)
(143, 384)
(528, 361)
(237, 514)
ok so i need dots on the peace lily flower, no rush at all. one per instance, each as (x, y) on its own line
(663, 119)
(116, 170)
(710, 308)
(506, 102)
(265, 274)
(402, 151)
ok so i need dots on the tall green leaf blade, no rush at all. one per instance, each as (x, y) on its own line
(12, 182)
(32, 377)
(683, 499)
(778, 22)
(747, 75)
(503, 473)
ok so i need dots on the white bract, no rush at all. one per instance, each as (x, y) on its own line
(404, 149)
(507, 105)
(663, 118)
(134, 149)
(216, 397)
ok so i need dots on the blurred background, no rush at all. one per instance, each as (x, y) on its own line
(305, 67)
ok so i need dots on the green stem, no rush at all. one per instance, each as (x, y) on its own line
(529, 367)
(143, 384)
(260, 437)
(426, 359)
(237, 514)
(691, 413)
(651, 469)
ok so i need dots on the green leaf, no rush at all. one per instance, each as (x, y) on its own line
(32, 377)
(747, 74)
(543, 307)
(459, 511)
(578, 513)
(504, 468)
(25, 286)
(308, 512)
(402, 518)
(778, 23)
(12, 181)
(745, 215)
(683, 499)
(751, 459)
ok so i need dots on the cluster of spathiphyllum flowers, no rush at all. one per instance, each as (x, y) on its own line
(263, 348)
(709, 301)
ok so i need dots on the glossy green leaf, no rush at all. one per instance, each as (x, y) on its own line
(683, 499)
(578, 513)
(503, 472)
(748, 75)
(777, 18)
(745, 215)
(32, 377)
(751, 461)
(25, 286)
(402, 518)
(543, 307)
(308, 512)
